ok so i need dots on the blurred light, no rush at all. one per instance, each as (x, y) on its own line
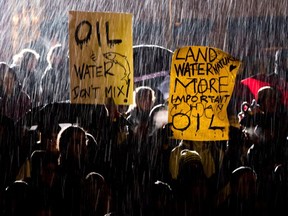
(15, 19)
(34, 19)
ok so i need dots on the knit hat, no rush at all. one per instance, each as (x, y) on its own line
(189, 156)
(190, 168)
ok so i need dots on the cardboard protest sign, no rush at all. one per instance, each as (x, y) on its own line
(101, 57)
(201, 84)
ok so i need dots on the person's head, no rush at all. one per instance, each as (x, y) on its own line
(269, 102)
(190, 167)
(57, 56)
(27, 59)
(8, 77)
(144, 98)
(243, 183)
(191, 176)
(72, 145)
(43, 167)
(18, 197)
(158, 117)
(49, 134)
(96, 195)
(281, 63)
(3, 68)
(162, 198)
(268, 99)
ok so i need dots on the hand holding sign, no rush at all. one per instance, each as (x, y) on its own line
(201, 84)
(101, 57)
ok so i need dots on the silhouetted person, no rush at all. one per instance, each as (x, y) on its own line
(55, 82)
(26, 63)
(14, 103)
(71, 172)
(18, 199)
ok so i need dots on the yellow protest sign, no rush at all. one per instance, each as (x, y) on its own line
(201, 84)
(101, 57)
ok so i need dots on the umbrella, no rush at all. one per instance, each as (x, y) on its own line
(254, 83)
(152, 67)
(62, 112)
(277, 79)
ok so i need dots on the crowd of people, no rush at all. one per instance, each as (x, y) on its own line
(58, 158)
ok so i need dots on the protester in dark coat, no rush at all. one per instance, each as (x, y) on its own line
(55, 82)
(26, 64)
(14, 102)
